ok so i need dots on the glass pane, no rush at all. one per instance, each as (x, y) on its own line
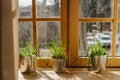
(92, 32)
(119, 8)
(118, 41)
(48, 8)
(25, 33)
(46, 32)
(25, 8)
(95, 8)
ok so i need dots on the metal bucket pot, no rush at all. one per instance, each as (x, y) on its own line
(28, 65)
(59, 65)
(21, 60)
(98, 63)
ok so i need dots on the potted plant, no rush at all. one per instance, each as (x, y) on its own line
(27, 58)
(58, 55)
(21, 57)
(97, 58)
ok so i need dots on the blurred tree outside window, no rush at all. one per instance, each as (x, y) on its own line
(45, 30)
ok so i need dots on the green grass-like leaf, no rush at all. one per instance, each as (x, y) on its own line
(56, 48)
(27, 50)
(97, 50)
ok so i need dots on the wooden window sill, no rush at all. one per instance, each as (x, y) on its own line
(70, 74)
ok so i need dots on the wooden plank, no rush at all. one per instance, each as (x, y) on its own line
(25, 19)
(48, 19)
(83, 61)
(73, 30)
(39, 19)
(35, 32)
(118, 20)
(64, 27)
(96, 19)
(115, 17)
(43, 63)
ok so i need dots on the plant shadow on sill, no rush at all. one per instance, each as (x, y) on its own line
(31, 75)
(71, 74)
(44, 74)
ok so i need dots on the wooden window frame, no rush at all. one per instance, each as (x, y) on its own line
(74, 20)
(64, 31)
(69, 31)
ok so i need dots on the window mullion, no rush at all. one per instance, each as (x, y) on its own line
(96, 19)
(115, 19)
(48, 19)
(35, 38)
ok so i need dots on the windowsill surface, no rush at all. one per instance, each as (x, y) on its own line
(70, 74)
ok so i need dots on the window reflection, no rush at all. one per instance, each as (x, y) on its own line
(46, 32)
(25, 8)
(118, 41)
(48, 8)
(92, 32)
(95, 8)
(25, 33)
(119, 8)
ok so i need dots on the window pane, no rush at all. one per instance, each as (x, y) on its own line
(47, 31)
(95, 8)
(25, 8)
(25, 33)
(119, 8)
(118, 41)
(48, 8)
(92, 32)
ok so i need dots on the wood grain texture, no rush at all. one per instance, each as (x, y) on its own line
(71, 74)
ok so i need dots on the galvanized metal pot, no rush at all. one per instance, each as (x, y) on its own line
(21, 60)
(98, 63)
(59, 65)
(28, 65)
